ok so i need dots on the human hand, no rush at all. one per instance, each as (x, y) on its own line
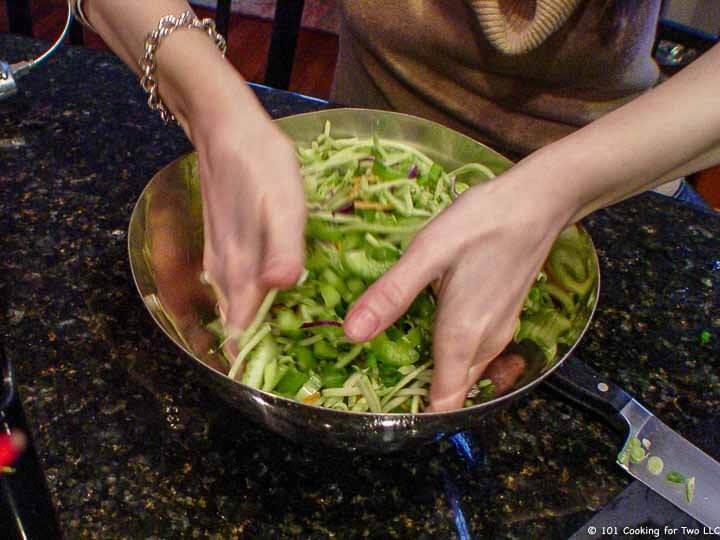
(253, 210)
(482, 254)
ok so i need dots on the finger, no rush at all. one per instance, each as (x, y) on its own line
(490, 361)
(238, 280)
(455, 342)
(391, 295)
(284, 245)
(244, 303)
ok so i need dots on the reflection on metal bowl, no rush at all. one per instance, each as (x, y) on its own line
(165, 244)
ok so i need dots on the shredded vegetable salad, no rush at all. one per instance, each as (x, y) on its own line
(366, 200)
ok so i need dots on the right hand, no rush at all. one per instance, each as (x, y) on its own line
(483, 253)
(253, 209)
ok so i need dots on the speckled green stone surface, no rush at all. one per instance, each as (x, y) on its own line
(133, 446)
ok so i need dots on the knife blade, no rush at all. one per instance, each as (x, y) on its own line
(680, 455)
(584, 386)
(639, 506)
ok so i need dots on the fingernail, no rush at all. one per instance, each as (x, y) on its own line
(361, 325)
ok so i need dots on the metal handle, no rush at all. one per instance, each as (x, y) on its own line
(9, 74)
(584, 386)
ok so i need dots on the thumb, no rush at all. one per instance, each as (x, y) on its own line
(391, 295)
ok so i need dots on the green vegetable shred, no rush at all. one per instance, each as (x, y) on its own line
(675, 477)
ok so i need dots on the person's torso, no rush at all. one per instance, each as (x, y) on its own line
(598, 58)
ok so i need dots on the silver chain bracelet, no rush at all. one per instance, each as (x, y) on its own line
(167, 25)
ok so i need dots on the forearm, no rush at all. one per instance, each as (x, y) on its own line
(194, 80)
(672, 131)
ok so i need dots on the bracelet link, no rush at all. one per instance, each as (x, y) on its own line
(167, 25)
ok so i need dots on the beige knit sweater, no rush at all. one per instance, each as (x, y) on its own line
(516, 74)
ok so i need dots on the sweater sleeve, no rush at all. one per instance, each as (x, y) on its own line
(518, 26)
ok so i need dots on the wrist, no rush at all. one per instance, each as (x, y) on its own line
(196, 83)
(547, 186)
(234, 127)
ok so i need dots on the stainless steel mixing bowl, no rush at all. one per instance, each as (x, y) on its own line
(165, 244)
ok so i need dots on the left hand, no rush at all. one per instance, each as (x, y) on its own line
(485, 251)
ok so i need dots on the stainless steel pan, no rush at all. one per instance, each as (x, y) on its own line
(165, 244)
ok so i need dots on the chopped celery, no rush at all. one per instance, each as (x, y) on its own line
(360, 264)
(322, 349)
(330, 295)
(304, 358)
(270, 375)
(544, 328)
(311, 387)
(264, 353)
(394, 353)
(288, 322)
(332, 376)
(291, 382)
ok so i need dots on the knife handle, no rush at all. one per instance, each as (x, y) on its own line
(584, 386)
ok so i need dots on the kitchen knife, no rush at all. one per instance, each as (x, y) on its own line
(638, 506)
(584, 386)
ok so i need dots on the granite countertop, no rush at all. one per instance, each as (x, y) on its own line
(133, 446)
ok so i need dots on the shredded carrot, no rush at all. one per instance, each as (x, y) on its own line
(355, 191)
(369, 205)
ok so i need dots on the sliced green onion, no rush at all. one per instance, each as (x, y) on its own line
(675, 477)
(637, 454)
(690, 489)
(655, 465)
